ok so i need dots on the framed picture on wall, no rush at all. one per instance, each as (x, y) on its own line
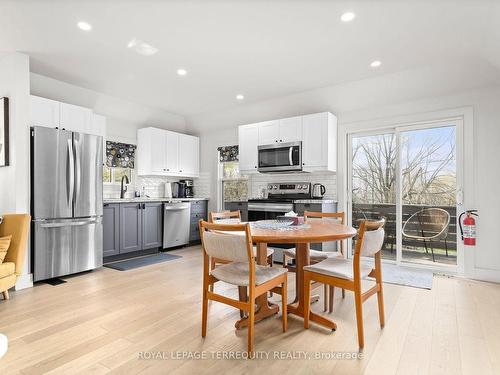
(4, 132)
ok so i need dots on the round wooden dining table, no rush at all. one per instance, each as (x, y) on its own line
(314, 231)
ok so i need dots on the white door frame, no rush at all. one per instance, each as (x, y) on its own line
(465, 165)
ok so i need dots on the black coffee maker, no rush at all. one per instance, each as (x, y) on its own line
(188, 188)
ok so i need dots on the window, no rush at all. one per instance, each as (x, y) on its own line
(114, 175)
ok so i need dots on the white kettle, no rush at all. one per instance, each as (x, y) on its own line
(168, 190)
(318, 191)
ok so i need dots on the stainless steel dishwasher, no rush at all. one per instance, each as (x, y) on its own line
(176, 221)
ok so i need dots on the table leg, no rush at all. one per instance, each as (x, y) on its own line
(264, 307)
(302, 259)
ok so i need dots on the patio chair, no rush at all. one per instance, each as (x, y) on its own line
(427, 225)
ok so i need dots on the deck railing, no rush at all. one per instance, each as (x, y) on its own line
(373, 211)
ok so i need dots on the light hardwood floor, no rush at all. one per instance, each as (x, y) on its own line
(99, 322)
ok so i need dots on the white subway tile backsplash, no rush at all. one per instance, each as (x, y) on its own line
(154, 186)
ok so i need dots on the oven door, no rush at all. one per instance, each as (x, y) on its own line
(269, 211)
(281, 157)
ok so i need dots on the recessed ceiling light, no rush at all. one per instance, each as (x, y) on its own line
(85, 26)
(240, 97)
(181, 72)
(141, 47)
(375, 64)
(347, 17)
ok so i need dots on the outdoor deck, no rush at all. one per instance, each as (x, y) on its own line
(413, 250)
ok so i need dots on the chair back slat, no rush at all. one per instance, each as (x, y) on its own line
(229, 247)
(225, 217)
(372, 242)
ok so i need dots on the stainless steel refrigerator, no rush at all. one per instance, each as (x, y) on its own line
(66, 202)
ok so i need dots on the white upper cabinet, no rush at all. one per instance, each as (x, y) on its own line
(290, 129)
(166, 153)
(317, 132)
(189, 163)
(319, 142)
(54, 114)
(248, 140)
(280, 131)
(172, 152)
(44, 112)
(269, 132)
(76, 118)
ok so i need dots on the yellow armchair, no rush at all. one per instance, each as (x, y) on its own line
(18, 226)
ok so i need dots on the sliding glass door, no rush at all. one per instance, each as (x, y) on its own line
(410, 176)
(374, 184)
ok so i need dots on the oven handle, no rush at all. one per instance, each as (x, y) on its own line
(270, 207)
(290, 151)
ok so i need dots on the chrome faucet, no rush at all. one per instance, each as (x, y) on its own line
(123, 188)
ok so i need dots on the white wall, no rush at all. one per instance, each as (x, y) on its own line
(386, 97)
(123, 117)
(14, 179)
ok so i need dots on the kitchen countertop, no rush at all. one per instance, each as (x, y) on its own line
(146, 199)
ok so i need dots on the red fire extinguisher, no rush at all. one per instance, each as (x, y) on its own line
(468, 231)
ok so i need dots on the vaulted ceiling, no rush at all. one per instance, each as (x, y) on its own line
(261, 49)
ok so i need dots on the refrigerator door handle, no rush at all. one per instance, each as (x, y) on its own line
(78, 172)
(69, 223)
(70, 177)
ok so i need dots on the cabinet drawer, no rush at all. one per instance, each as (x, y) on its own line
(194, 233)
(198, 207)
(196, 216)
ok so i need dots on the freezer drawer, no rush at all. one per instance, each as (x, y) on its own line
(176, 222)
(64, 247)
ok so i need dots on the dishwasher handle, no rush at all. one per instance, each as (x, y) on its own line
(177, 206)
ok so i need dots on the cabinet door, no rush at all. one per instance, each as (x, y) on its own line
(157, 150)
(269, 132)
(248, 139)
(44, 112)
(130, 227)
(152, 225)
(189, 155)
(315, 140)
(291, 129)
(76, 118)
(172, 152)
(111, 229)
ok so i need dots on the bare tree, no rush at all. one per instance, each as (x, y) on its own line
(428, 175)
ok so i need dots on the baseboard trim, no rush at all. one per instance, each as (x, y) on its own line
(24, 282)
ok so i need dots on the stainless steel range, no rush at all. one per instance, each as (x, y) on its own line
(280, 200)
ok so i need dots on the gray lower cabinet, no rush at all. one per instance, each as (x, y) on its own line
(152, 225)
(199, 210)
(111, 229)
(238, 206)
(129, 227)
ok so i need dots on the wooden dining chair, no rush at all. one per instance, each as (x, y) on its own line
(318, 256)
(232, 217)
(348, 273)
(225, 241)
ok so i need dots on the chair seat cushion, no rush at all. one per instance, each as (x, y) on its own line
(237, 273)
(7, 269)
(338, 267)
(315, 254)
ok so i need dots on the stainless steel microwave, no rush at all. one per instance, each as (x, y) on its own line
(280, 157)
